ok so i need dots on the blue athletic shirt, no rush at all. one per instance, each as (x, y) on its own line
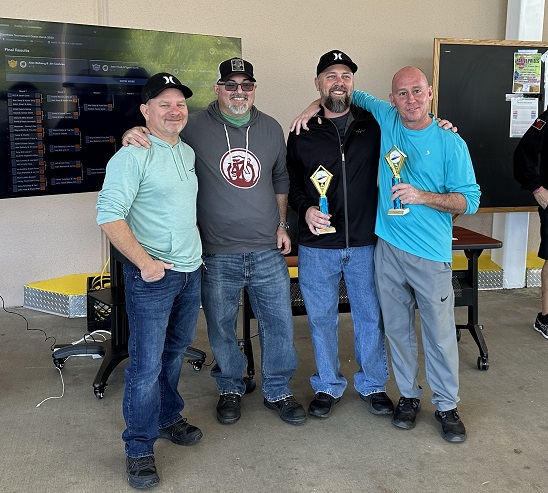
(437, 161)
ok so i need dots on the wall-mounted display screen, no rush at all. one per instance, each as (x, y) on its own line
(69, 91)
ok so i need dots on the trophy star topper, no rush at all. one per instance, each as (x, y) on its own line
(321, 178)
(395, 159)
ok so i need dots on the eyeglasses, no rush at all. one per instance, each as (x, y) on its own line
(230, 85)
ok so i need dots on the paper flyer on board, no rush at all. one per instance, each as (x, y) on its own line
(527, 73)
(524, 111)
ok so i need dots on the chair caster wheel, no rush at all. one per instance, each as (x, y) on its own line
(458, 335)
(483, 363)
(99, 391)
(250, 384)
(59, 363)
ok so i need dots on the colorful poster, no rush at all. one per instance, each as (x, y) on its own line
(527, 69)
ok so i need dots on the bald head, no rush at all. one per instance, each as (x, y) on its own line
(404, 72)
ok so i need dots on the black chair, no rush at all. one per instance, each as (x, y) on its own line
(110, 301)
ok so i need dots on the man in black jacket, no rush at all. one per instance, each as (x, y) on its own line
(344, 142)
(531, 170)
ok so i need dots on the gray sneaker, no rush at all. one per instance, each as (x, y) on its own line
(541, 328)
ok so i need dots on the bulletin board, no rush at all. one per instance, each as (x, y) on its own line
(483, 88)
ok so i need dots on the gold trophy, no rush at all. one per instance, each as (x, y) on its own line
(395, 159)
(321, 179)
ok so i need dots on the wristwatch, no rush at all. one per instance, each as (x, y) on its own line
(283, 224)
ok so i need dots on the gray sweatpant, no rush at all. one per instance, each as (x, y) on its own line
(405, 282)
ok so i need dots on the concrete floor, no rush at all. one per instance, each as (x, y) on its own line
(73, 444)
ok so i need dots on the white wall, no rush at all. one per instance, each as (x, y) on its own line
(47, 237)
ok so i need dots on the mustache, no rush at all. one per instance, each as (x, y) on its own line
(338, 88)
(239, 96)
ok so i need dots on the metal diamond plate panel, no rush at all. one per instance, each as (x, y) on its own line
(490, 279)
(70, 306)
(533, 278)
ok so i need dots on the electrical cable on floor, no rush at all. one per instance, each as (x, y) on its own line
(101, 333)
(55, 396)
(95, 333)
(27, 324)
(52, 348)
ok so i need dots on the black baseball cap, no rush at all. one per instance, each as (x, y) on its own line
(235, 66)
(335, 57)
(160, 82)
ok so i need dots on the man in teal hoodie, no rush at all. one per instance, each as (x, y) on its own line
(147, 208)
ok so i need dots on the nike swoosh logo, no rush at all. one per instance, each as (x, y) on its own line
(443, 299)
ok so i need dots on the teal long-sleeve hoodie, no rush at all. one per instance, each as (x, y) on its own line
(154, 190)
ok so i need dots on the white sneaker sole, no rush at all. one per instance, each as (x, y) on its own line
(540, 332)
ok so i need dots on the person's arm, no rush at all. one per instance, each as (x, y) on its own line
(359, 98)
(136, 136)
(280, 183)
(527, 160)
(120, 187)
(283, 239)
(454, 203)
(298, 198)
(300, 122)
(527, 157)
(122, 238)
(460, 193)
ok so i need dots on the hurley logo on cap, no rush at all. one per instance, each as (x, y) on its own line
(160, 82)
(169, 79)
(335, 57)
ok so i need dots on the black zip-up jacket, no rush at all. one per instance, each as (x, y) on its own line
(531, 156)
(352, 193)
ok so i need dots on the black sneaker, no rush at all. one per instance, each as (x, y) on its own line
(321, 405)
(289, 410)
(141, 472)
(541, 328)
(379, 403)
(405, 414)
(452, 428)
(229, 408)
(182, 433)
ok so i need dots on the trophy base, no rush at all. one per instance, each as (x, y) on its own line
(397, 212)
(324, 231)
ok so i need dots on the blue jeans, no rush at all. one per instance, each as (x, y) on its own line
(320, 270)
(265, 276)
(162, 321)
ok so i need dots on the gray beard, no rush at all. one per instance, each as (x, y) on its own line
(238, 110)
(337, 105)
